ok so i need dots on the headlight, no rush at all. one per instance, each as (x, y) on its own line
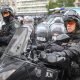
(5, 75)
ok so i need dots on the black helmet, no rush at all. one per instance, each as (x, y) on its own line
(71, 13)
(58, 20)
(70, 18)
(8, 9)
(41, 33)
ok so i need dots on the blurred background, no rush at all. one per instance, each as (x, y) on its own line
(39, 9)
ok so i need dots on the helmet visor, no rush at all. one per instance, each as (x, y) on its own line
(71, 23)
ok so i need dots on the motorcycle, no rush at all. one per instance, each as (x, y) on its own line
(37, 70)
(11, 59)
(15, 66)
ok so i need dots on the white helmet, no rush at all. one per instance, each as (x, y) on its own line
(9, 9)
(28, 19)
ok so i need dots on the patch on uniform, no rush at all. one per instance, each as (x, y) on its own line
(38, 72)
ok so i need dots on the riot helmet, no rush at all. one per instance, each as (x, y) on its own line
(5, 9)
(28, 20)
(71, 12)
(7, 12)
(72, 15)
(57, 29)
(41, 34)
(72, 21)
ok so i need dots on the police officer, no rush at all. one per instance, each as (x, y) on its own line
(8, 29)
(73, 48)
(47, 35)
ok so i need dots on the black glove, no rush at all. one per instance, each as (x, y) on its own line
(55, 59)
(40, 47)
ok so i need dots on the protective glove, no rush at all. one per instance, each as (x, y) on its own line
(52, 57)
(56, 59)
(40, 47)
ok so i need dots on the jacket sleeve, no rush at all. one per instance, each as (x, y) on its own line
(71, 53)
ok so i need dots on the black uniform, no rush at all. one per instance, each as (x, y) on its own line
(8, 29)
(71, 51)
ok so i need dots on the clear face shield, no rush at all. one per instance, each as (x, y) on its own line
(41, 34)
(11, 59)
(56, 30)
(40, 39)
(29, 23)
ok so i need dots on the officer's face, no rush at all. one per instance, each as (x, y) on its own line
(71, 26)
(5, 14)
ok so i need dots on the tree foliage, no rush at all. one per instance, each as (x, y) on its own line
(65, 3)
(51, 5)
(59, 3)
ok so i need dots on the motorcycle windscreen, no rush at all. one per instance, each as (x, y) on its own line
(18, 43)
